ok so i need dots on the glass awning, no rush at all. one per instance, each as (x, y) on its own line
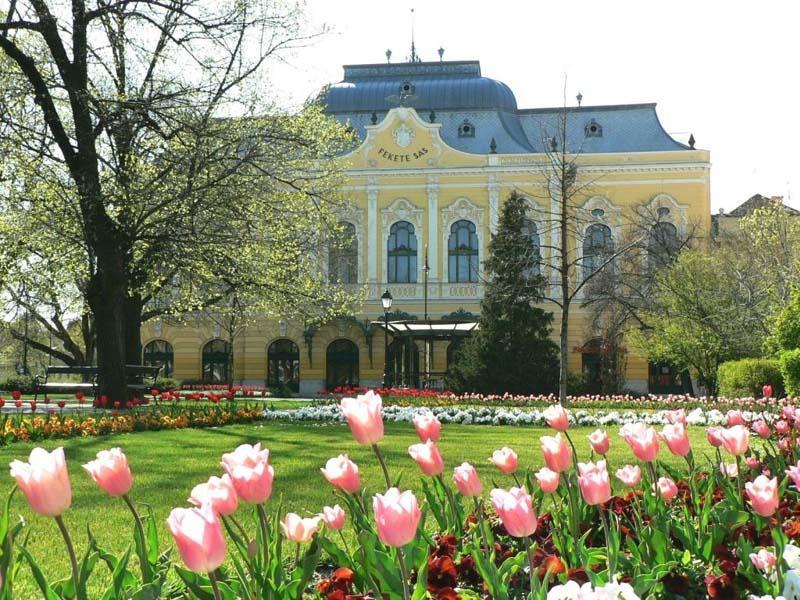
(428, 329)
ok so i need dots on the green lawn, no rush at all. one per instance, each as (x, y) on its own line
(166, 464)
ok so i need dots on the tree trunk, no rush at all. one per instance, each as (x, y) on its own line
(564, 348)
(133, 329)
(107, 296)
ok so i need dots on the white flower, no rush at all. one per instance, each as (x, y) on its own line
(791, 585)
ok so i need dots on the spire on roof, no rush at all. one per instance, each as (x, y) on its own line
(413, 58)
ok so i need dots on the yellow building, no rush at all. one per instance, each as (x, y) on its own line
(441, 147)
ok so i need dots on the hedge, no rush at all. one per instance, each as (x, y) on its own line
(746, 377)
(790, 368)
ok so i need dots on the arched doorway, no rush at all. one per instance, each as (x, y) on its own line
(216, 361)
(341, 364)
(159, 353)
(283, 365)
(403, 361)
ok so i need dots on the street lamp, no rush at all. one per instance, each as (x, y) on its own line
(386, 301)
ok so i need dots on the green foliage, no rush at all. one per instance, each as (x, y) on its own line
(786, 326)
(746, 377)
(701, 317)
(23, 383)
(512, 351)
(168, 383)
(790, 368)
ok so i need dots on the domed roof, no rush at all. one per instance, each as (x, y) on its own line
(425, 86)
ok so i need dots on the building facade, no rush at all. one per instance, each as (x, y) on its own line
(440, 147)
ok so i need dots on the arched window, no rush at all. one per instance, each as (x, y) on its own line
(343, 256)
(598, 245)
(663, 245)
(403, 363)
(462, 252)
(341, 364)
(402, 253)
(531, 232)
(283, 365)
(216, 361)
(159, 353)
(592, 365)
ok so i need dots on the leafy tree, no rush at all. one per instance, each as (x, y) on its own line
(511, 351)
(701, 317)
(142, 140)
(786, 326)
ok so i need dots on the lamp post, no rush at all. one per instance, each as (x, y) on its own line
(386, 301)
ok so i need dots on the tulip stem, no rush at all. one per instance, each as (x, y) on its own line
(531, 569)
(452, 501)
(383, 465)
(344, 541)
(212, 576)
(403, 573)
(138, 521)
(71, 552)
(242, 532)
(611, 556)
(262, 519)
(481, 525)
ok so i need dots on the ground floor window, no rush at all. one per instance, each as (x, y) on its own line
(159, 353)
(592, 365)
(216, 361)
(283, 365)
(664, 378)
(341, 364)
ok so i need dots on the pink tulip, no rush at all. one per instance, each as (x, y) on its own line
(364, 416)
(333, 517)
(714, 436)
(676, 438)
(642, 440)
(556, 417)
(736, 439)
(599, 441)
(198, 535)
(342, 473)
(397, 516)
(111, 472)
(45, 481)
(677, 416)
(557, 454)
(729, 470)
(789, 413)
(762, 429)
(467, 480)
(250, 472)
(764, 560)
(782, 427)
(548, 480)
(794, 474)
(763, 494)
(515, 509)
(428, 457)
(629, 475)
(299, 530)
(666, 488)
(505, 459)
(752, 462)
(218, 492)
(735, 417)
(784, 444)
(594, 483)
(428, 426)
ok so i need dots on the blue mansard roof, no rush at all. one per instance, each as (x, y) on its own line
(454, 93)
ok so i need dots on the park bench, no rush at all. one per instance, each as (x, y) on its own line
(43, 384)
(141, 379)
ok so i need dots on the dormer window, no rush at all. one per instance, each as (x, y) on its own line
(593, 129)
(466, 129)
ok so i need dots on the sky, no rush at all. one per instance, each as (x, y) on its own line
(727, 72)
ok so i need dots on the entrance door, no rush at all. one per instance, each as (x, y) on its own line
(283, 365)
(341, 364)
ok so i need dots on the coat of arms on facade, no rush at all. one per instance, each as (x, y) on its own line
(403, 136)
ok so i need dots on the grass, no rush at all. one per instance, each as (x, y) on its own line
(167, 464)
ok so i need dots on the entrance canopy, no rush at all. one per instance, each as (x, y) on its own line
(428, 330)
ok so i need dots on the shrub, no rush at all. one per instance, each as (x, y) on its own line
(23, 383)
(746, 377)
(790, 369)
(786, 328)
(167, 383)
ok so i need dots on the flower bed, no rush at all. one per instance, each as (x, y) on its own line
(727, 529)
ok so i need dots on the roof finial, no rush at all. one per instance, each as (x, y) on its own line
(441, 53)
(691, 141)
(414, 58)
(389, 55)
(579, 98)
(493, 147)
